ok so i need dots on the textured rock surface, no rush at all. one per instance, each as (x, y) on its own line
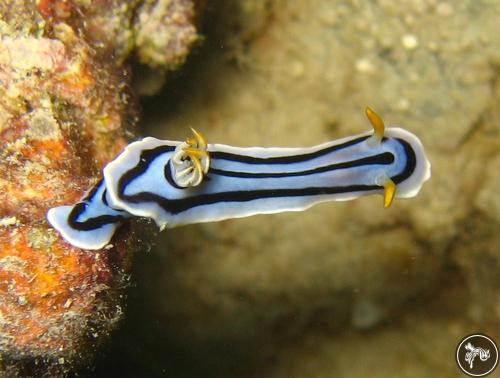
(66, 109)
(165, 31)
(62, 119)
(306, 294)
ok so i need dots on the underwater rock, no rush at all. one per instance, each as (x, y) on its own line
(66, 110)
(62, 118)
(165, 31)
(161, 32)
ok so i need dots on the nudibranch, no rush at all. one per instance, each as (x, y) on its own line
(177, 183)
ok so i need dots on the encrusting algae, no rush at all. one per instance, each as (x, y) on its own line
(66, 110)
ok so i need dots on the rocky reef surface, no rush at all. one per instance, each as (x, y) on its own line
(66, 109)
(344, 289)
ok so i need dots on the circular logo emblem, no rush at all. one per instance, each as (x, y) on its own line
(477, 355)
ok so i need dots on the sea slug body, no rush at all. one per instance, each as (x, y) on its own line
(177, 183)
